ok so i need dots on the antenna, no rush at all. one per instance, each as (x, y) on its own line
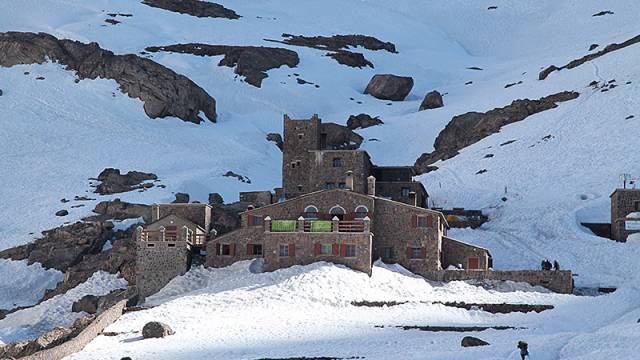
(624, 178)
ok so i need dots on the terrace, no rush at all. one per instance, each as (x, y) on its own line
(170, 234)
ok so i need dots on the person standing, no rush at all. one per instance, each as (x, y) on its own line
(524, 349)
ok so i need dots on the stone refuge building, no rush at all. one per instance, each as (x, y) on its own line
(625, 213)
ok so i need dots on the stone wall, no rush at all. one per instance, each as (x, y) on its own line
(199, 214)
(300, 136)
(321, 170)
(257, 198)
(157, 262)
(456, 252)
(240, 239)
(560, 281)
(76, 344)
(393, 191)
(623, 202)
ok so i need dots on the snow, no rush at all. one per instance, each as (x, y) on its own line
(25, 284)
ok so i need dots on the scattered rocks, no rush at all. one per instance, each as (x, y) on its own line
(492, 7)
(513, 84)
(575, 63)
(163, 92)
(593, 47)
(629, 117)
(507, 142)
(112, 21)
(119, 210)
(352, 59)
(470, 341)
(601, 13)
(474, 68)
(181, 198)
(215, 199)
(389, 87)
(62, 213)
(252, 62)
(488, 156)
(119, 14)
(276, 138)
(156, 329)
(194, 8)
(481, 171)
(363, 121)
(113, 182)
(466, 129)
(88, 304)
(240, 178)
(432, 100)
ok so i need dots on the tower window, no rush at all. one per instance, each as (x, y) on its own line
(337, 162)
(293, 165)
(404, 192)
(300, 136)
(299, 187)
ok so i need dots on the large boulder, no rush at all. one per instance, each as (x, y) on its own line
(432, 100)
(181, 198)
(389, 87)
(276, 138)
(156, 329)
(215, 199)
(339, 137)
(88, 304)
(120, 210)
(113, 182)
(470, 341)
(362, 121)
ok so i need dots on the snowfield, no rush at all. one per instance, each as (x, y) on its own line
(560, 171)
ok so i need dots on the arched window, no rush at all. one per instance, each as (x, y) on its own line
(337, 211)
(361, 212)
(311, 212)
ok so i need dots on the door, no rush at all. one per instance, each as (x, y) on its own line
(473, 263)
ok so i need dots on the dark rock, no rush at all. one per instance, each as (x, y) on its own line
(339, 137)
(88, 304)
(252, 62)
(1, 92)
(119, 14)
(432, 100)
(112, 21)
(156, 329)
(469, 128)
(194, 8)
(163, 92)
(594, 83)
(470, 341)
(120, 210)
(40, 78)
(629, 117)
(62, 213)
(240, 178)
(492, 7)
(474, 68)
(507, 142)
(512, 84)
(114, 182)
(601, 13)
(362, 121)
(593, 47)
(389, 87)
(468, 83)
(63, 200)
(339, 42)
(504, 199)
(488, 156)
(276, 138)
(481, 171)
(302, 81)
(181, 198)
(349, 58)
(215, 199)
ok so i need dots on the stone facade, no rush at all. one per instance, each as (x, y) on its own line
(157, 262)
(623, 203)
(470, 257)
(257, 198)
(560, 281)
(199, 214)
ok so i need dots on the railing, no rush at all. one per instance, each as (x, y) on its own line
(171, 235)
(351, 226)
(319, 226)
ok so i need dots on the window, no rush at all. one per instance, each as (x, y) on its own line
(256, 220)
(342, 185)
(387, 252)
(361, 212)
(311, 212)
(337, 162)
(299, 187)
(300, 136)
(256, 249)
(636, 205)
(330, 185)
(424, 221)
(325, 249)
(416, 253)
(171, 245)
(284, 250)
(404, 192)
(293, 165)
(226, 250)
(351, 251)
(337, 211)
(151, 245)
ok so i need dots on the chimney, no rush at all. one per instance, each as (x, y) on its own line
(250, 207)
(155, 212)
(349, 180)
(413, 199)
(371, 185)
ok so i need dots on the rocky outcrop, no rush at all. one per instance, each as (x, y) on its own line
(156, 329)
(340, 137)
(466, 129)
(240, 178)
(470, 341)
(113, 182)
(88, 304)
(389, 87)
(194, 8)
(252, 62)
(215, 199)
(362, 121)
(432, 100)
(351, 59)
(276, 138)
(181, 198)
(575, 63)
(120, 210)
(163, 92)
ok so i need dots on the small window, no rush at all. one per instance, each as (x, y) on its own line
(337, 162)
(351, 251)
(361, 212)
(256, 221)
(300, 136)
(636, 205)
(293, 165)
(325, 249)
(299, 187)
(151, 245)
(416, 253)
(342, 185)
(330, 185)
(404, 192)
(225, 250)
(284, 250)
(171, 245)
(298, 162)
(387, 252)
(421, 221)
(311, 212)
(257, 249)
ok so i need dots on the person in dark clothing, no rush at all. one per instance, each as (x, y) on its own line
(524, 349)
(556, 265)
(546, 265)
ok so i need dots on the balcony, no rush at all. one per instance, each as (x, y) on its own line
(162, 234)
(317, 226)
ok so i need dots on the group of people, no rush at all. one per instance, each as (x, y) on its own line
(547, 265)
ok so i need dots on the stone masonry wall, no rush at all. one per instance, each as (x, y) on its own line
(199, 214)
(240, 239)
(157, 265)
(560, 281)
(456, 252)
(393, 190)
(623, 202)
(300, 136)
(321, 170)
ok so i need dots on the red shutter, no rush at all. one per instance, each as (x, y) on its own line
(232, 249)
(423, 253)
(249, 220)
(335, 249)
(217, 249)
(430, 221)
(414, 220)
(292, 250)
(408, 253)
(343, 250)
(316, 249)
(249, 249)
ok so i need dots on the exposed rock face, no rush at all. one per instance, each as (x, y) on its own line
(389, 87)
(156, 329)
(352, 59)
(362, 121)
(194, 8)
(163, 92)
(432, 100)
(575, 63)
(113, 182)
(240, 178)
(215, 199)
(276, 138)
(469, 341)
(88, 304)
(252, 62)
(466, 129)
(340, 137)
(181, 198)
(120, 210)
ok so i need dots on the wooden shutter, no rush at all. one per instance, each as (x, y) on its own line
(408, 252)
(249, 220)
(414, 220)
(423, 253)
(249, 249)
(335, 249)
(217, 249)
(316, 249)
(343, 250)
(430, 221)
(473, 263)
(292, 250)
(232, 249)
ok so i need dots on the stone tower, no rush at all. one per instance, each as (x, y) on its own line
(623, 203)
(300, 136)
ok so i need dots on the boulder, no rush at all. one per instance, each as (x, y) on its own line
(469, 341)
(181, 198)
(276, 138)
(339, 137)
(119, 210)
(194, 8)
(62, 213)
(215, 199)
(362, 121)
(88, 304)
(389, 87)
(432, 100)
(113, 182)
(156, 329)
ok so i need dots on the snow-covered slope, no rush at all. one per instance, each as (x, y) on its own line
(57, 133)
